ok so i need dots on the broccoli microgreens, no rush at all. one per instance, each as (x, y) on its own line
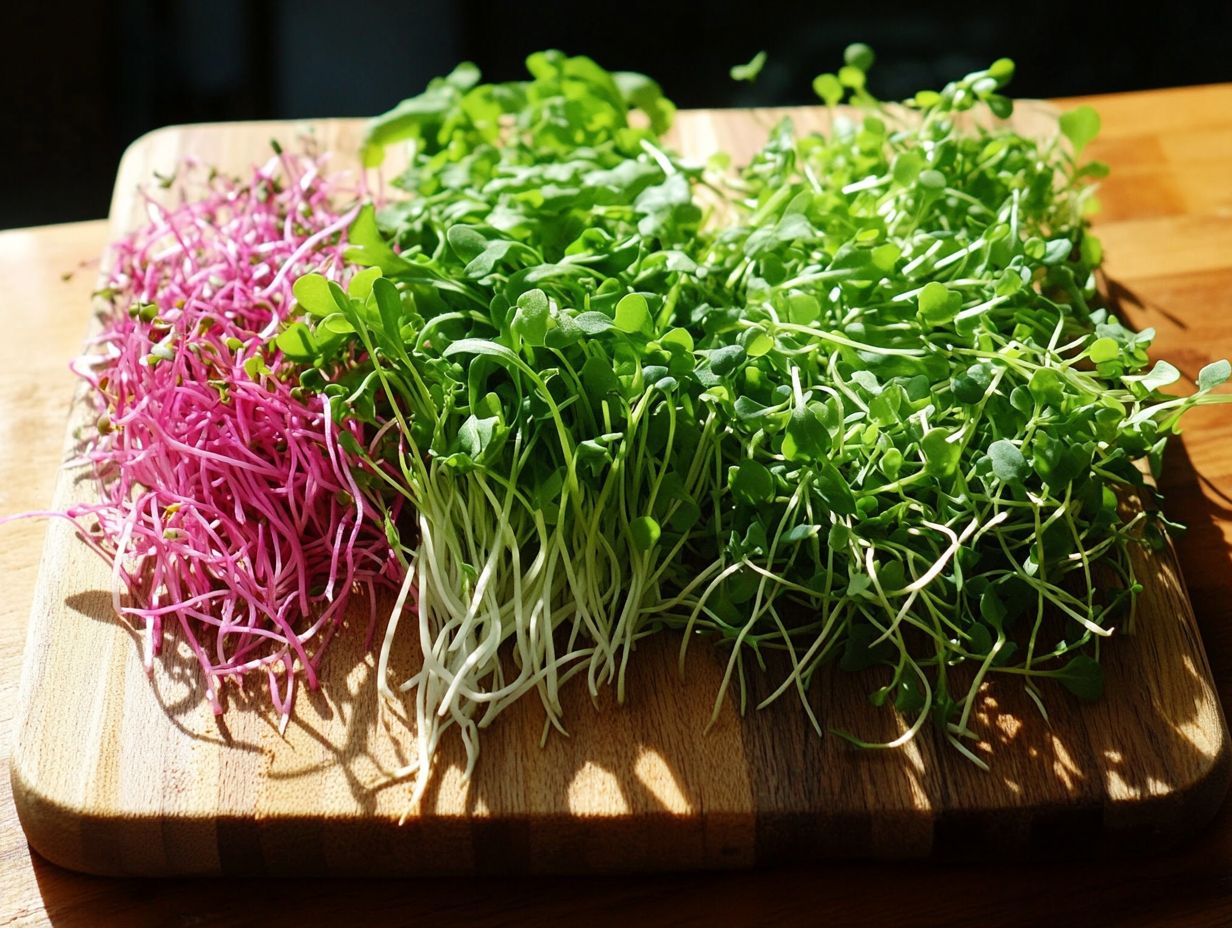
(868, 410)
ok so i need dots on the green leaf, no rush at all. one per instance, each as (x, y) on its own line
(799, 533)
(679, 337)
(757, 341)
(886, 256)
(1046, 387)
(971, 385)
(1057, 250)
(389, 305)
(751, 483)
(1095, 169)
(747, 408)
(1002, 71)
(296, 342)
(369, 248)
(360, 286)
(940, 454)
(1080, 126)
(1060, 462)
(593, 322)
(476, 435)
(1214, 374)
(1104, 349)
(645, 94)
(802, 308)
(748, 72)
(907, 166)
(868, 381)
(632, 313)
(1159, 376)
(1083, 677)
(858, 55)
(851, 77)
(992, 609)
(806, 437)
(892, 463)
(663, 197)
(530, 318)
(1091, 250)
(342, 302)
(255, 368)
(834, 491)
(1008, 464)
(828, 88)
(937, 305)
(466, 242)
(335, 324)
(726, 360)
(599, 378)
(486, 261)
(981, 639)
(645, 532)
(909, 698)
(312, 292)
(1001, 107)
(418, 117)
(484, 347)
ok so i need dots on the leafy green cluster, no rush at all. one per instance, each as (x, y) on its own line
(865, 407)
(927, 417)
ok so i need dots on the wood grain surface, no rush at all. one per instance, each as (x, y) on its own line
(1173, 273)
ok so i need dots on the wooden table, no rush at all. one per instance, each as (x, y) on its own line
(1170, 256)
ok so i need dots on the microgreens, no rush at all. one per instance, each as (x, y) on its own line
(875, 414)
(224, 507)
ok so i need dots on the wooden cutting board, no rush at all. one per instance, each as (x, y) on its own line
(114, 772)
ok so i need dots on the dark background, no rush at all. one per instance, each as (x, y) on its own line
(81, 80)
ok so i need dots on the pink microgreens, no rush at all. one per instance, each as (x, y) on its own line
(226, 502)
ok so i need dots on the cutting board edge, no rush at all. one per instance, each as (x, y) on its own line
(75, 837)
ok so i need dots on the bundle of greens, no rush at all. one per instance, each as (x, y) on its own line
(857, 403)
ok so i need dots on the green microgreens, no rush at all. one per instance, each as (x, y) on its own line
(749, 72)
(874, 414)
